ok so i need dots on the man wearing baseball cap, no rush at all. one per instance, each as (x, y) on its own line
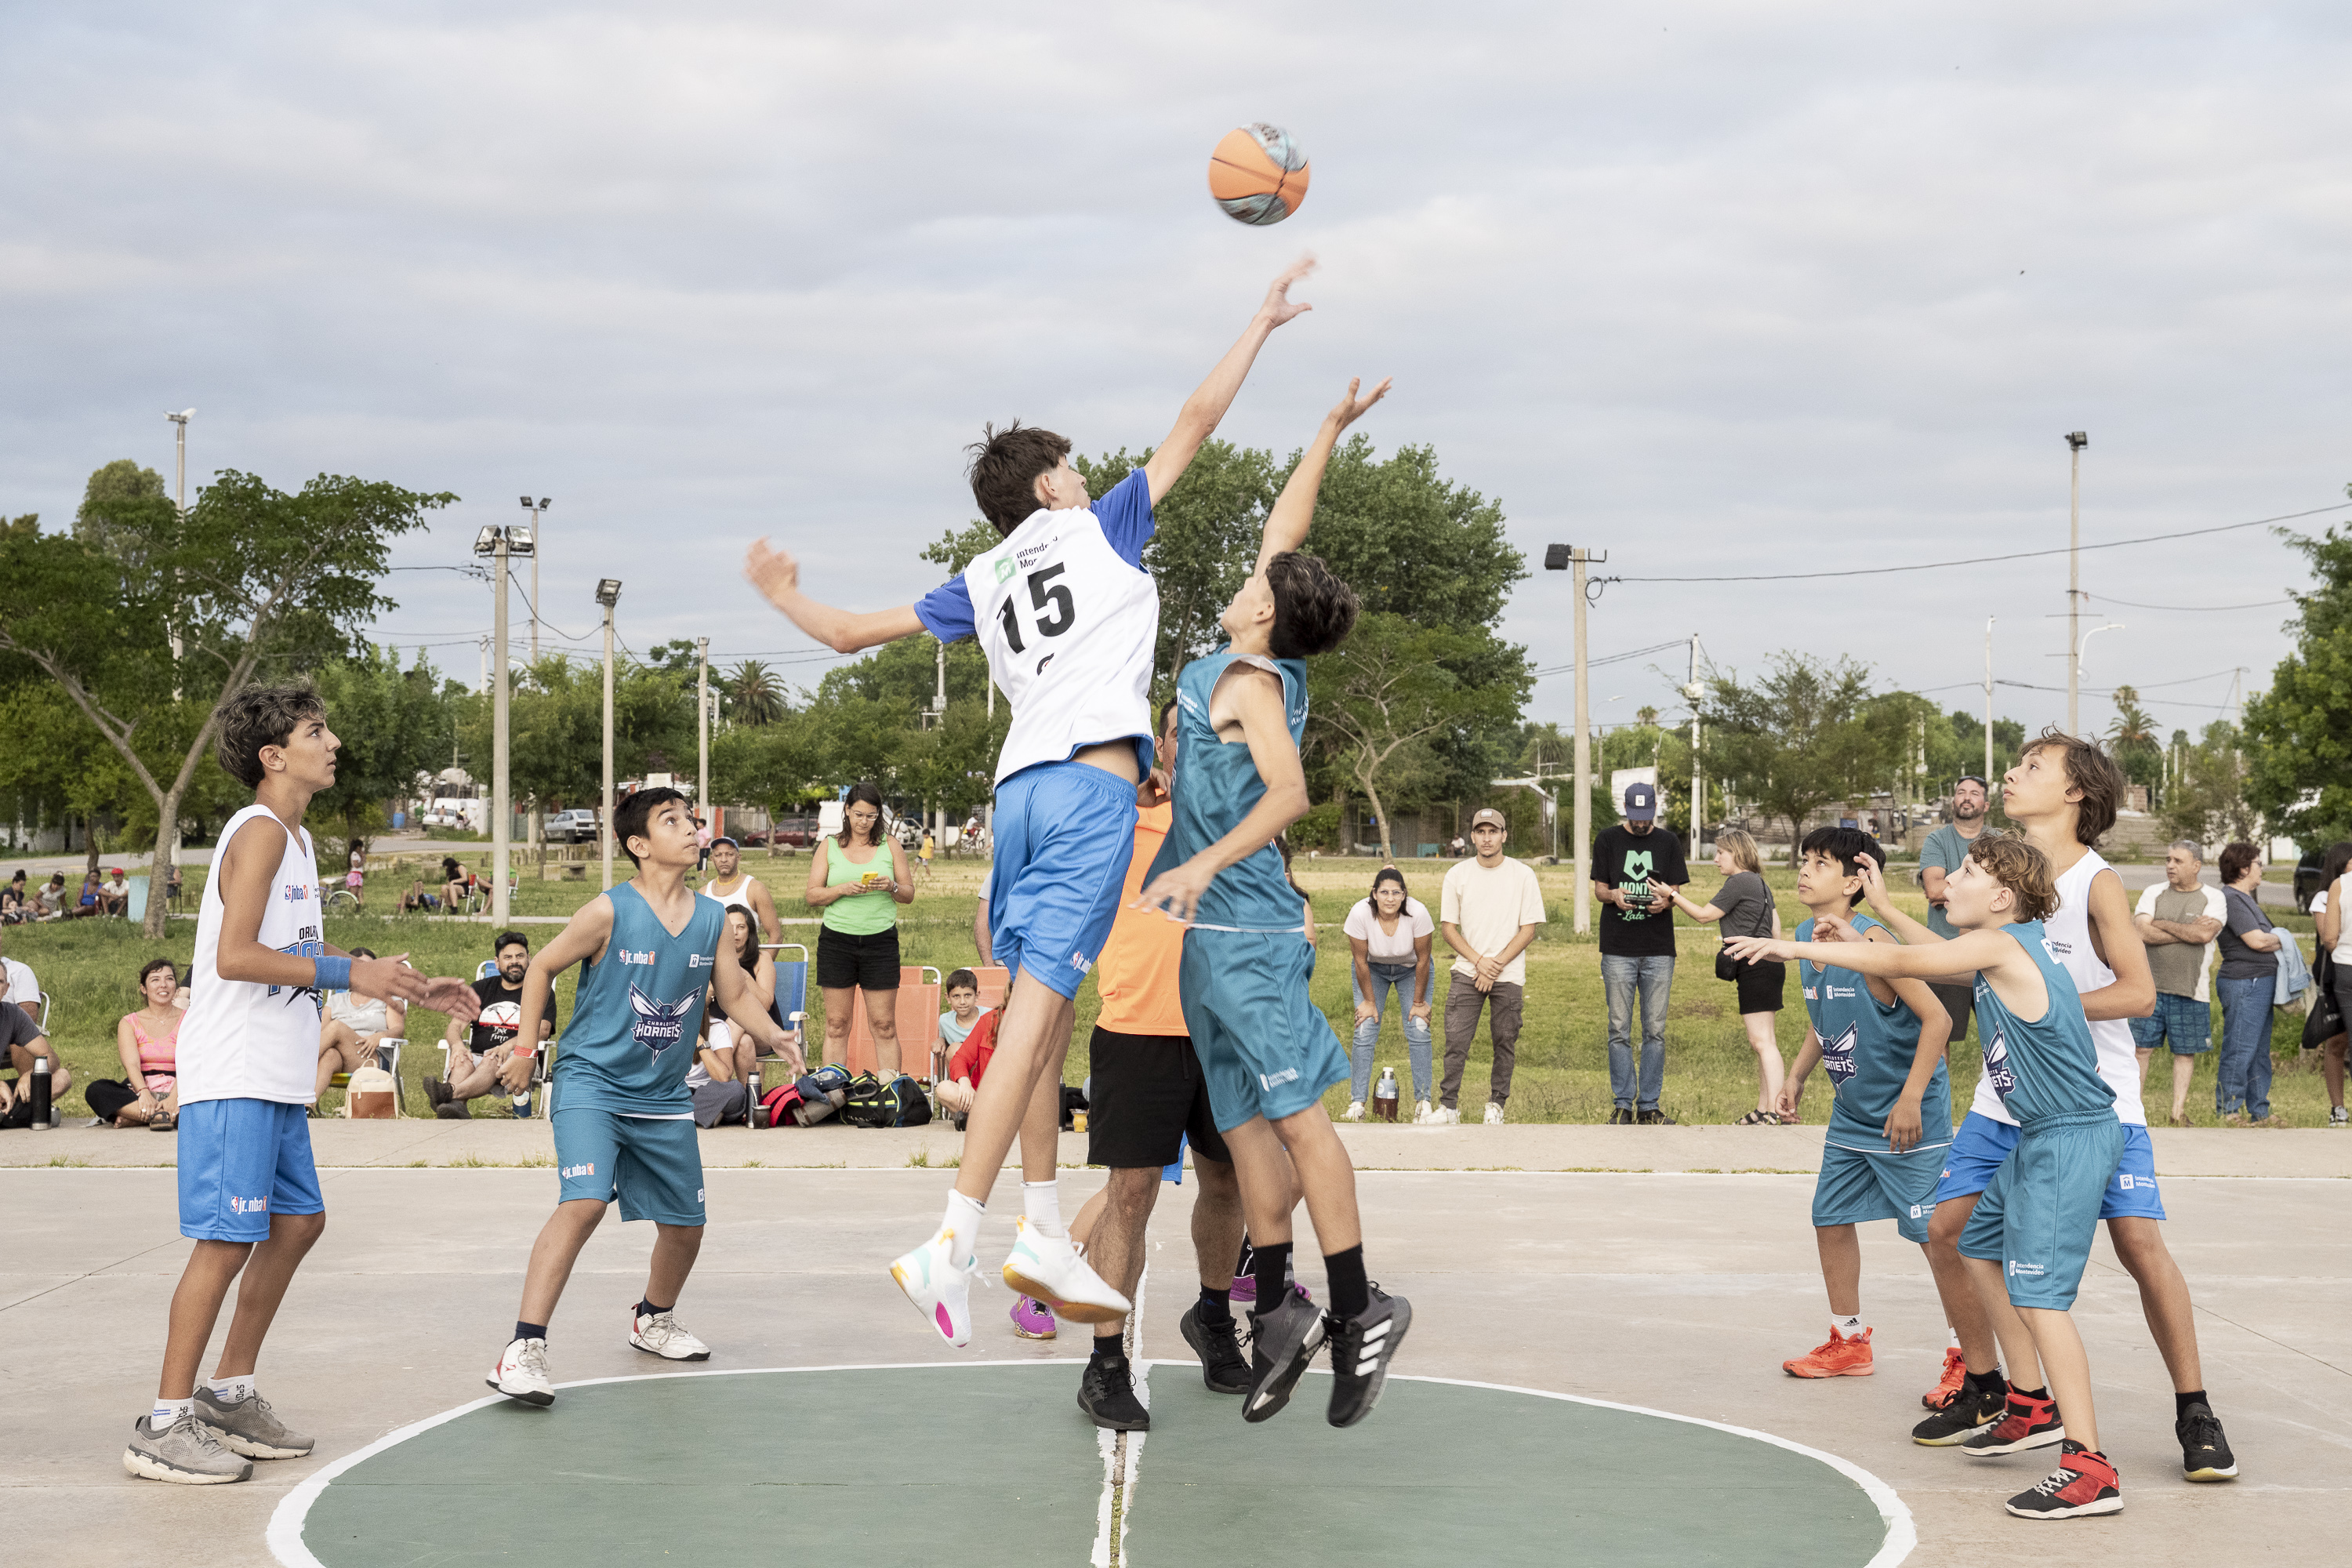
(1490, 908)
(1630, 863)
(1940, 856)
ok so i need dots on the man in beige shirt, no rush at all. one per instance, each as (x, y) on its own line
(1489, 909)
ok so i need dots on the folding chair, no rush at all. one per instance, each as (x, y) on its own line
(540, 1067)
(387, 1056)
(918, 1025)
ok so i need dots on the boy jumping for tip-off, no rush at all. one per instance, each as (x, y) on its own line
(624, 1121)
(2030, 1238)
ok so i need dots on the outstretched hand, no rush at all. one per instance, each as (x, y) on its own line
(771, 571)
(1177, 891)
(1874, 881)
(1279, 307)
(1760, 950)
(453, 997)
(1352, 408)
(1833, 928)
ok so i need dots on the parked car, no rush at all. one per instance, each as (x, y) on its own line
(794, 832)
(577, 826)
(2306, 880)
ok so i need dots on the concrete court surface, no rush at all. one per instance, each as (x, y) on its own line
(1678, 1292)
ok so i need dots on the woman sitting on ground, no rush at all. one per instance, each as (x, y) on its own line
(417, 901)
(352, 1029)
(1744, 905)
(148, 1042)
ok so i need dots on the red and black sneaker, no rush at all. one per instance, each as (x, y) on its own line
(2026, 1421)
(2083, 1483)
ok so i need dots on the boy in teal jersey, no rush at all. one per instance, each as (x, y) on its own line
(1267, 1051)
(2030, 1235)
(1882, 1043)
(624, 1121)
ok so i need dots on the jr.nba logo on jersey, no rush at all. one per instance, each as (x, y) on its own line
(1997, 1073)
(1837, 1055)
(660, 1025)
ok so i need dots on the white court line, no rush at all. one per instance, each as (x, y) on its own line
(284, 1535)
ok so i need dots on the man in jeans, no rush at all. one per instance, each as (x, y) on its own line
(1490, 908)
(2179, 920)
(1630, 862)
(1940, 856)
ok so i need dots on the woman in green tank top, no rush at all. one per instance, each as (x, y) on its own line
(857, 881)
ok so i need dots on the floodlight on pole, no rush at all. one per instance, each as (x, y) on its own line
(529, 536)
(608, 594)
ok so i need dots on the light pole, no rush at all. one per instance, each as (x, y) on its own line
(500, 544)
(536, 510)
(1987, 768)
(1569, 558)
(608, 594)
(702, 726)
(2094, 631)
(2075, 442)
(172, 621)
(1698, 790)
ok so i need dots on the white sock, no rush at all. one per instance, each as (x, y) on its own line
(1042, 1203)
(168, 1411)
(963, 1217)
(1955, 1339)
(229, 1390)
(1848, 1327)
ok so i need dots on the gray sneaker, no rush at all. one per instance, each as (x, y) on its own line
(185, 1452)
(250, 1427)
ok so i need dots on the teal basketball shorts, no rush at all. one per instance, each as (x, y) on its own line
(2038, 1213)
(1858, 1185)
(652, 1164)
(1266, 1048)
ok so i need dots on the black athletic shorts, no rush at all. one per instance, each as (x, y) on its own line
(1147, 1095)
(1762, 987)
(868, 962)
(1960, 1002)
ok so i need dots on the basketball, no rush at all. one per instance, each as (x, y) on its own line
(1258, 174)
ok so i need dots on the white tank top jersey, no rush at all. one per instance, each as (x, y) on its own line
(242, 1040)
(739, 894)
(1070, 622)
(2068, 933)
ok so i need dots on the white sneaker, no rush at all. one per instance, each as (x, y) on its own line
(1494, 1114)
(1049, 1269)
(660, 1333)
(1445, 1116)
(1355, 1112)
(522, 1373)
(1420, 1112)
(938, 1283)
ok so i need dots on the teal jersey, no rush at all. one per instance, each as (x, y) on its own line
(2050, 1066)
(638, 1011)
(1866, 1050)
(1216, 786)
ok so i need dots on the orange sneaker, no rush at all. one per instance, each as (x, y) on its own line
(1839, 1357)
(1956, 1370)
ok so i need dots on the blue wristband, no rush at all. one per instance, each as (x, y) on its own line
(331, 974)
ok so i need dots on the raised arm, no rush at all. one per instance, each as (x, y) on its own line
(1968, 951)
(1294, 509)
(1206, 407)
(1882, 904)
(739, 998)
(775, 573)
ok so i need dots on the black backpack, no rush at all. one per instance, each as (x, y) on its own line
(898, 1103)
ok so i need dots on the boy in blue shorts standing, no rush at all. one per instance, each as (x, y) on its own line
(1069, 618)
(2030, 1238)
(1267, 1051)
(249, 1051)
(1882, 1043)
(624, 1119)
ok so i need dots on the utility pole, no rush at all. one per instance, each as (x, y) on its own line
(1573, 560)
(500, 544)
(608, 594)
(1987, 767)
(1698, 787)
(536, 510)
(939, 718)
(2075, 442)
(702, 725)
(171, 624)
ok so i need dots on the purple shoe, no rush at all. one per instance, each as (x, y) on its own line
(1031, 1319)
(1244, 1290)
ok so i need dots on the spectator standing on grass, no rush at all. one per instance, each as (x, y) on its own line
(1940, 856)
(355, 878)
(2327, 909)
(1490, 907)
(2179, 918)
(1634, 868)
(353, 1027)
(1744, 907)
(148, 1041)
(2247, 980)
(858, 880)
(481, 1045)
(1390, 937)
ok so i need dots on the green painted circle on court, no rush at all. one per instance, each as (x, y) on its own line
(985, 1463)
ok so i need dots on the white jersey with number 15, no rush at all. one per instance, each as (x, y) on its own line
(1069, 620)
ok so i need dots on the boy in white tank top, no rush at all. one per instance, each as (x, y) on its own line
(248, 1190)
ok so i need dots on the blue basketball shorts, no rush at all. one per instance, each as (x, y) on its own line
(1065, 833)
(1982, 1145)
(1858, 1185)
(242, 1161)
(1266, 1048)
(652, 1164)
(2039, 1213)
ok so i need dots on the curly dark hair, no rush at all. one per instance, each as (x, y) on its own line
(2024, 870)
(262, 716)
(1005, 468)
(1313, 610)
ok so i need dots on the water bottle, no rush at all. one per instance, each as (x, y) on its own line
(755, 1114)
(43, 1120)
(522, 1099)
(1384, 1094)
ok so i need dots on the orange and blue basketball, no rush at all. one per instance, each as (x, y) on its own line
(1258, 174)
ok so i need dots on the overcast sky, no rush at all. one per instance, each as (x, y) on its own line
(1717, 287)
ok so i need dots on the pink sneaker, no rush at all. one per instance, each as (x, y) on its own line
(1244, 1291)
(1031, 1319)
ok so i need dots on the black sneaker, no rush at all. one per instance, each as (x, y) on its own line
(1361, 1349)
(1970, 1412)
(1107, 1393)
(1620, 1117)
(1224, 1368)
(2083, 1484)
(437, 1092)
(2025, 1423)
(2204, 1453)
(1653, 1117)
(453, 1111)
(1282, 1343)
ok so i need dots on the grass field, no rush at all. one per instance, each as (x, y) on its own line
(89, 968)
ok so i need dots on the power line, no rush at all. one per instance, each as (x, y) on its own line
(1617, 657)
(2257, 604)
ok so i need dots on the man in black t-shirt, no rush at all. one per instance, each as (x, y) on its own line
(479, 1050)
(1637, 949)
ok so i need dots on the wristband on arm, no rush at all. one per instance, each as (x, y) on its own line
(330, 973)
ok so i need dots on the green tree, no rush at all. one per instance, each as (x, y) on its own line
(2132, 740)
(394, 723)
(755, 695)
(2298, 737)
(2207, 801)
(1798, 737)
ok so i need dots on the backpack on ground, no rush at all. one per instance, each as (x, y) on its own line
(780, 1106)
(873, 1103)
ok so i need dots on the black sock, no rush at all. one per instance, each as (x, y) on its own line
(2041, 1393)
(1990, 1383)
(2181, 1401)
(1343, 1275)
(529, 1331)
(647, 1309)
(1270, 1265)
(1107, 1348)
(1216, 1309)
(1241, 1264)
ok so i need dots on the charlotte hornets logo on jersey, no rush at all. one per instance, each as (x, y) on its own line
(1996, 1070)
(659, 1025)
(1837, 1055)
